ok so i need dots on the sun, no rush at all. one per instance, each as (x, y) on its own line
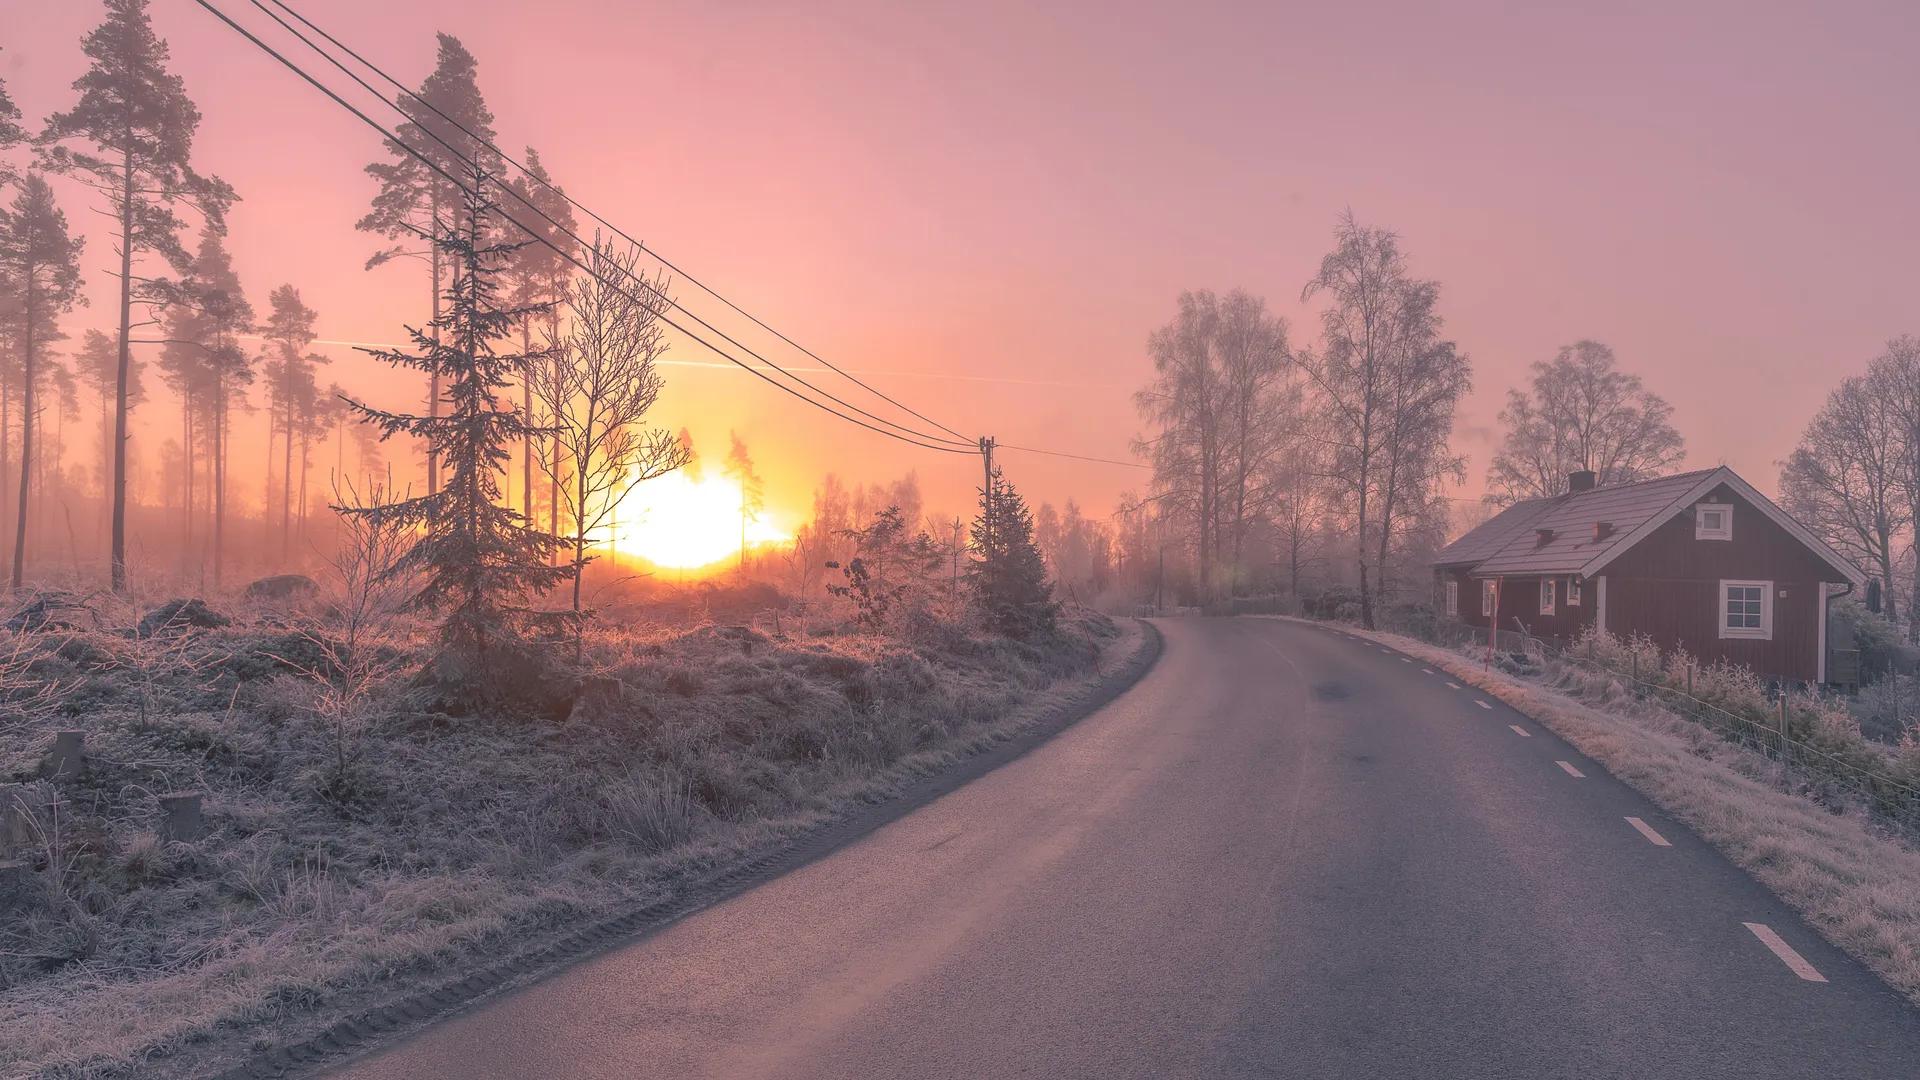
(685, 522)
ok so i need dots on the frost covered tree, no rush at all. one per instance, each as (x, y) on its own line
(448, 124)
(134, 127)
(1007, 577)
(1583, 413)
(1843, 479)
(480, 563)
(40, 273)
(1386, 388)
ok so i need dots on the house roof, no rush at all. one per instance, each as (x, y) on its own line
(1632, 510)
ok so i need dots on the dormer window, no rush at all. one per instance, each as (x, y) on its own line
(1713, 521)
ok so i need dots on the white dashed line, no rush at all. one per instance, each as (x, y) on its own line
(1482, 704)
(1646, 830)
(1794, 961)
(1570, 770)
(1428, 670)
(1453, 686)
(1404, 660)
(1520, 731)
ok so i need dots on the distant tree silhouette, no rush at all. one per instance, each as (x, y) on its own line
(1583, 413)
(480, 562)
(135, 125)
(98, 366)
(416, 203)
(40, 269)
(540, 274)
(204, 360)
(289, 369)
(1007, 578)
(752, 491)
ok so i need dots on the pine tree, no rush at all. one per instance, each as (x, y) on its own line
(137, 117)
(416, 202)
(206, 363)
(480, 562)
(39, 266)
(99, 367)
(540, 274)
(11, 133)
(290, 375)
(1008, 576)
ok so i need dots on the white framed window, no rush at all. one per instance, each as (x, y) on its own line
(1713, 521)
(1573, 592)
(1746, 609)
(1489, 596)
(1453, 597)
(1546, 595)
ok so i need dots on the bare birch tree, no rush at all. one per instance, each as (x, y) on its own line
(1583, 413)
(1387, 386)
(597, 401)
(1843, 480)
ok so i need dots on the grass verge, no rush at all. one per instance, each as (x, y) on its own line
(451, 846)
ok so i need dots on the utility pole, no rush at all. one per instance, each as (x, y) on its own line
(986, 504)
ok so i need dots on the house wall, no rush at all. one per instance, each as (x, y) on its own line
(1520, 598)
(1668, 587)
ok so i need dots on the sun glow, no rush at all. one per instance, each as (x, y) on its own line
(684, 522)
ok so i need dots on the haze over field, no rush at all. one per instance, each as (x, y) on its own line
(991, 222)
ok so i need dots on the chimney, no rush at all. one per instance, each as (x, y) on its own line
(1583, 480)
(1602, 530)
(1544, 537)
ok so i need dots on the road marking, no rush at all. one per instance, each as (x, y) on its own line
(1646, 830)
(1482, 704)
(1428, 670)
(1520, 731)
(1794, 961)
(1453, 686)
(1571, 771)
(1404, 660)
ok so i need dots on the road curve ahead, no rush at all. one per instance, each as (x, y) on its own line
(1285, 853)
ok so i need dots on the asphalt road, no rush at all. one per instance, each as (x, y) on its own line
(1285, 853)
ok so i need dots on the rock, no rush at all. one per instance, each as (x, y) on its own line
(48, 611)
(68, 755)
(193, 614)
(282, 587)
(16, 886)
(181, 821)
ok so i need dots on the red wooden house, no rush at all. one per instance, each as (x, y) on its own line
(1699, 561)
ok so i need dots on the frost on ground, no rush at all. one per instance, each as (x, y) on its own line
(355, 848)
(1853, 878)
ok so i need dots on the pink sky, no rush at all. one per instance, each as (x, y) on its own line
(1016, 193)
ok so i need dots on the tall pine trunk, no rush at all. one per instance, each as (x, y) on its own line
(119, 540)
(26, 437)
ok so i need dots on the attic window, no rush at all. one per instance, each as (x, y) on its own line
(1713, 521)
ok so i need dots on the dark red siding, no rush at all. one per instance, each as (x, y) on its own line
(1668, 587)
(1520, 599)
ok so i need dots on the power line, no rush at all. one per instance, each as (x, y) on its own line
(1076, 457)
(569, 257)
(622, 233)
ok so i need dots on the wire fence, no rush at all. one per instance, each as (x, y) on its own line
(1818, 756)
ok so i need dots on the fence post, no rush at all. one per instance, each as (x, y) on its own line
(1783, 724)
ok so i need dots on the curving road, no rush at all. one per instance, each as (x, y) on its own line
(1285, 853)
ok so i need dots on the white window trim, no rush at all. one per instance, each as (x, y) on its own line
(1701, 531)
(1765, 631)
(1547, 594)
(1453, 597)
(1573, 592)
(1489, 591)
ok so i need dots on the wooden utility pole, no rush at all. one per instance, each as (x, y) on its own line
(986, 504)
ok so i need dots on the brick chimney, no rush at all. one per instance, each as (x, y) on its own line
(1583, 480)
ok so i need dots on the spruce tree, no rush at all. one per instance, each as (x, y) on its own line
(11, 133)
(290, 378)
(480, 563)
(416, 202)
(136, 118)
(1008, 576)
(40, 270)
